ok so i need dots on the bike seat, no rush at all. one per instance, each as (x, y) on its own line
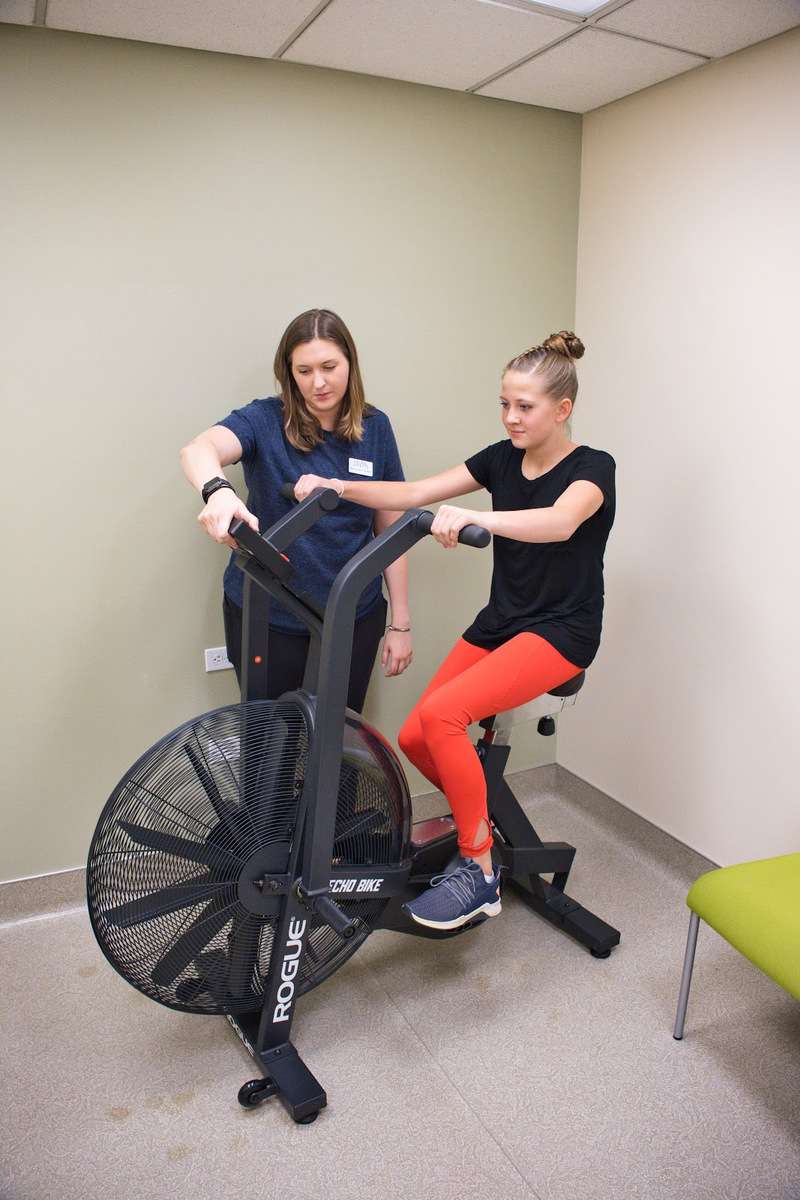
(547, 705)
(570, 687)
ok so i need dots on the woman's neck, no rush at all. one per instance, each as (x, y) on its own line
(329, 420)
(539, 459)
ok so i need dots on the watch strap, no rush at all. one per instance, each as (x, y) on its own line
(214, 485)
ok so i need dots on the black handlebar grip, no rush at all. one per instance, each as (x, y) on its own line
(474, 535)
(328, 498)
(470, 535)
(331, 913)
(247, 539)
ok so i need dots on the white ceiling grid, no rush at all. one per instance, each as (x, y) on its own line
(18, 12)
(588, 70)
(517, 50)
(448, 43)
(256, 28)
(713, 27)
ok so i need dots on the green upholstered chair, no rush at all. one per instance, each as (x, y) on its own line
(756, 907)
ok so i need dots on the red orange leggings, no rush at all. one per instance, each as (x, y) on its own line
(473, 683)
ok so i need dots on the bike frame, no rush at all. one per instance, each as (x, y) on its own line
(309, 880)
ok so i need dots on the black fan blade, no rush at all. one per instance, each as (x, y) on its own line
(192, 941)
(272, 762)
(221, 806)
(362, 822)
(158, 904)
(262, 754)
(237, 820)
(199, 852)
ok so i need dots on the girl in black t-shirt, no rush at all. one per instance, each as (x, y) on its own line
(553, 507)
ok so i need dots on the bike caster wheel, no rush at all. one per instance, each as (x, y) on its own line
(600, 953)
(255, 1092)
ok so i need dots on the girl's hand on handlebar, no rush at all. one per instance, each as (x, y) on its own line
(397, 652)
(448, 523)
(307, 484)
(222, 508)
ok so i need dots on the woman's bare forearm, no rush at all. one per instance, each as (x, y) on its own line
(208, 454)
(200, 462)
(396, 576)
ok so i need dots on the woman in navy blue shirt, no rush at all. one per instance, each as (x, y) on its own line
(320, 424)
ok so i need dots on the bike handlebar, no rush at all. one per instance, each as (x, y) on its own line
(470, 535)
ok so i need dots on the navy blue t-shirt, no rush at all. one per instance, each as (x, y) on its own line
(554, 589)
(269, 460)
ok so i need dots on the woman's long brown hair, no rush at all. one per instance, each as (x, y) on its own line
(302, 428)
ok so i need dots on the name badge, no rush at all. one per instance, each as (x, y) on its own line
(358, 466)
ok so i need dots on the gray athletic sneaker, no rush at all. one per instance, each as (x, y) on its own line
(457, 897)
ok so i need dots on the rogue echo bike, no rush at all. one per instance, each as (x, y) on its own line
(251, 851)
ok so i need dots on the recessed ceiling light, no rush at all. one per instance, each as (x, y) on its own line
(577, 8)
(581, 8)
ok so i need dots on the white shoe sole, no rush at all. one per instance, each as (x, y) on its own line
(490, 910)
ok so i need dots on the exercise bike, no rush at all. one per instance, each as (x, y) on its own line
(248, 854)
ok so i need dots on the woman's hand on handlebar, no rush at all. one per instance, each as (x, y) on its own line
(307, 484)
(397, 652)
(449, 521)
(223, 507)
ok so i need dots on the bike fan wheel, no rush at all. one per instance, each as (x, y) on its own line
(214, 803)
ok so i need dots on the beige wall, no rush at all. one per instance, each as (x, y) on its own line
(171, 210)
(687, 300)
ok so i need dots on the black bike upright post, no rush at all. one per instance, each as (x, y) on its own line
(316, 820)
(322, 782)
(255, 638)
(267, 1034)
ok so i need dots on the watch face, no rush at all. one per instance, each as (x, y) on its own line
(212, 486)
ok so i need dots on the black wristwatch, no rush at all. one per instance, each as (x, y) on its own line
(214, 485)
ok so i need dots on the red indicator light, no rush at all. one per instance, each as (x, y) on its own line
(257, 660)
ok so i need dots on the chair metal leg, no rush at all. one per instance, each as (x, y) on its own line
(686, 978)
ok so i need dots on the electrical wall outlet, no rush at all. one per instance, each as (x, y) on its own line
(217, 659)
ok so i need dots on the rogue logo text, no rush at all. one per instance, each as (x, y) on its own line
(294, 945)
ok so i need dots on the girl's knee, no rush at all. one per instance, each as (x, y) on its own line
(410, 738)
(434, 715)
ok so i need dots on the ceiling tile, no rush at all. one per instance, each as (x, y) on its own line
(449, 43)
(251, 27)
(17, 12)
(590, 69)
(714, 27)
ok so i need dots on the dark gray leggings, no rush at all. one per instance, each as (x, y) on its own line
(287, 653)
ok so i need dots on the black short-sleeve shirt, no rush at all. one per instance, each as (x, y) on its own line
(554, 589)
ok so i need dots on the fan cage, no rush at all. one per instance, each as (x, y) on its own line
(178, 830)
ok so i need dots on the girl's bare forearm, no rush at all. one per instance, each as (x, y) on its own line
(529, 524)
(389, 495)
